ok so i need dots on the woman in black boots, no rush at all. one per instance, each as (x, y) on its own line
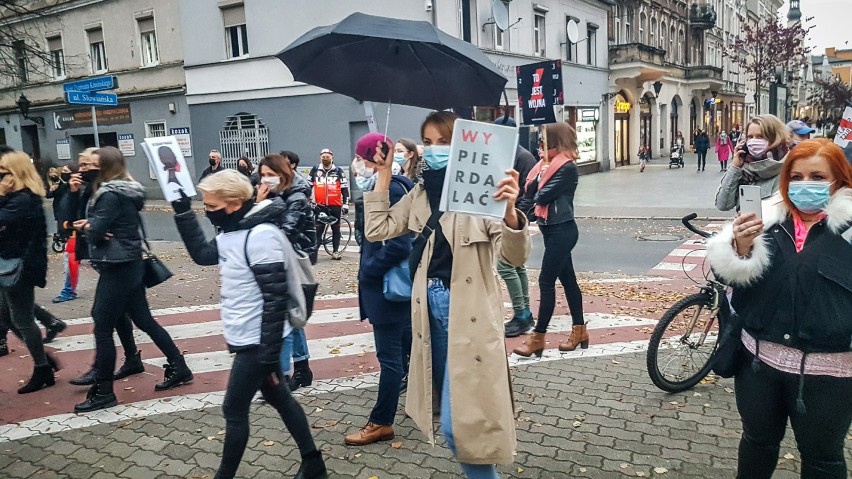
(255, 310)
(23, 254)
(112, 230)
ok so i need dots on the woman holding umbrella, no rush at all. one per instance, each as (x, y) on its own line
(465, 355)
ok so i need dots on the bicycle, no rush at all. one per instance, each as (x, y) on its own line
(689, 329)
(58, 244)
(325, 240)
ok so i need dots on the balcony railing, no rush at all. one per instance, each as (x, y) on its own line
(702, 16)
(704, 72)
(636, 52)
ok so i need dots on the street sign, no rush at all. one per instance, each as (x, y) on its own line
(109, 82)
(94, 99)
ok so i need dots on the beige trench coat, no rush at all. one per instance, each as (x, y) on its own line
(481, 390)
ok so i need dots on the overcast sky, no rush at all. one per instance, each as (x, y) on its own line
(830, 23)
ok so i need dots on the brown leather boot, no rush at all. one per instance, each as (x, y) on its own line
(533, 345)
(579, 336)
(369, 434)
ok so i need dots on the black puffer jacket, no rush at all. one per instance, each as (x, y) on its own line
(271, 278)
(114, 210)
(23, 234)
(799, 299)
(296, 215)
(557, 194)
(72, 207)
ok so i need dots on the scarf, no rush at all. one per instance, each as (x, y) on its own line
(757, 169)
(433, 183)
(556, 163)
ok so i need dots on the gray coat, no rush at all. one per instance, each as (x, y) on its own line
(727, 196)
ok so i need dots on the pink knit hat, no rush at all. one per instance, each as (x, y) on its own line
(366, 146)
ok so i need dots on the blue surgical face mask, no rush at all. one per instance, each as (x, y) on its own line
(436, 156)
(399, 158)
(809, 196)
(366, 184)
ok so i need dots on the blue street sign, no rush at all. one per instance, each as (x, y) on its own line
(94, 99)
(108, 82)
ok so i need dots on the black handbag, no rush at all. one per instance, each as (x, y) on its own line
(729, 352)
(155, 272)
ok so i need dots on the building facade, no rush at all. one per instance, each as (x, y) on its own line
(138, 41)
(244, 101)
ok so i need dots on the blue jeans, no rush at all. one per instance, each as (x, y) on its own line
(295, 347)
(439, 315)
(390, 351)
(68, 291)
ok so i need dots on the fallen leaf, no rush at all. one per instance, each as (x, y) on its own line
(660, 470)
(520, 469)
(268, 443)
(221, 433)
(789, 456)
(582, 469)
(396, 445)
(640, 474)
(624, 466)
(319, 409)
(729, 390)
(334, 351)
(577, 423)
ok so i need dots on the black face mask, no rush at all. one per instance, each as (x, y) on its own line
(54, 177)
(243, 170)
(89, 176)
(228, 222)
(212, 162)
(217, 217)
(65, 177)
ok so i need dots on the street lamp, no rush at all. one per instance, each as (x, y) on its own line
(24, 107)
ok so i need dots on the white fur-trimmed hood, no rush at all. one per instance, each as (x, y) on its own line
(742, 271)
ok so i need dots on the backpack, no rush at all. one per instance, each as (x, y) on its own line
(301, 283)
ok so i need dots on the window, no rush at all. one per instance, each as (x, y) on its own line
(236, 34)
(592, 44)
(57, 57)
(19, 50)
(628, 33)
(680, 44)
(539, 34)
(653, 41)
(155, 129)
(615, 26)
(97, 52)
(466, 17)
(148, 42)
(662, 35)
(500, 38)
(571, 53)
(244, 135)
(671, 51)
(642, 20)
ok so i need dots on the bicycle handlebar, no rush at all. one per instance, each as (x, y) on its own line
(686, 222)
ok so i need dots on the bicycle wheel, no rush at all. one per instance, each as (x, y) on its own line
(345, 237)
(683, 343)
(57, 246)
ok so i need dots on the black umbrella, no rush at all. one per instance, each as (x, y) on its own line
(406, 62)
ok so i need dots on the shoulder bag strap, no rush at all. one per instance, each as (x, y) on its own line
(245, 247)
(422, 239)
(144, 233)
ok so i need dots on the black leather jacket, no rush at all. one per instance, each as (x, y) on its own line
(557, 194)
(296, 217)
(115, 210)
(23, 234)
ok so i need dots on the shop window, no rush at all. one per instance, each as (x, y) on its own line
(97, 51)
(148, 42)
(244, 135)
(236, 33)
(592, 44)
(57, 57)
(539, 34)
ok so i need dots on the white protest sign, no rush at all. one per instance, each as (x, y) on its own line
(63, 149)
(126, 144)
(844, 130)
(480, 154)
(166, 159)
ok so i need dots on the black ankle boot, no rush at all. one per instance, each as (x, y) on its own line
(54, 327)
(100, 396)
(177, 373)
(86, 379)
(4, 348)
(42, 378)
(132, 365)
(313, 467)
(302, 375)
(52, 362)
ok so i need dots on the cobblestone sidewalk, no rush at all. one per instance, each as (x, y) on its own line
(594, 417)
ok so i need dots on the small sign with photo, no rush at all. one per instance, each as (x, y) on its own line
(167, 160)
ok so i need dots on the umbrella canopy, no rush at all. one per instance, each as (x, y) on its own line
(405, 62)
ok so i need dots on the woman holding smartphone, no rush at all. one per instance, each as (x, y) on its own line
(758, 158)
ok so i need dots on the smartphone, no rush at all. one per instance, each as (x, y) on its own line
(750, 201)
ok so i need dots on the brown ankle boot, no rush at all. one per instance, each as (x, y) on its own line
(579, 336)
(369, 434)
(533, 345)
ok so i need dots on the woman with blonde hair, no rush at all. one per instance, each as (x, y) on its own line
(552, 185)
(112, 229)
(457, 344)
(250, 251)
(23, 253)
(758, 159)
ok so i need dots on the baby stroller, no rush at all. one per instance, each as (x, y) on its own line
(676, 158)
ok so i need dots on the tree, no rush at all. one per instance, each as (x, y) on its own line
(23, 57)
(832, 94)
(763, 48)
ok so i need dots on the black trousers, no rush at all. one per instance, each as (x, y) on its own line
(120, 294)
(702, 159)
(335, 212)
(559, 240)
(247, 376)
(16, 313)
(766, 399)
